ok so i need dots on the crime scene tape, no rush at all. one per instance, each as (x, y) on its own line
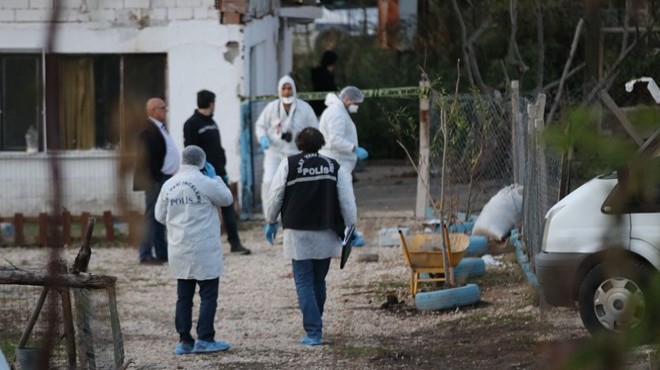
(388, 92)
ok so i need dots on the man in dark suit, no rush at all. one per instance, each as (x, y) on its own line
(201, 130)
(157, 160)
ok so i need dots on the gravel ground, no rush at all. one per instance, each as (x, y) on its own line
(258, 314)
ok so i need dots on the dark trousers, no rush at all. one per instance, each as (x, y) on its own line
(208, 292)
(231, 226)
(154, 236)
(309, 276)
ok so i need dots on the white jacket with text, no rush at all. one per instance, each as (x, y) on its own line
(188, 206)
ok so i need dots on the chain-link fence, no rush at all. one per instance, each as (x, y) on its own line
(478, 156)
(540, 176)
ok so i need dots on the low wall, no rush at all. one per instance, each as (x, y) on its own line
(89, 183)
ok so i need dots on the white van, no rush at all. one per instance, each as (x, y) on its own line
(601, 245)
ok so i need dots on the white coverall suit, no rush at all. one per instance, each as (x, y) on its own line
(272, 122)
(339, 132)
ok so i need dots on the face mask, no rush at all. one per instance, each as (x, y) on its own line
(287, 99)
(352, 108)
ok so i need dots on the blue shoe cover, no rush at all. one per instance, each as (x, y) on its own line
(359, 242)
(183, 348)
(203, 346)
(307, 341)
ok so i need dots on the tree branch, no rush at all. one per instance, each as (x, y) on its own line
(570, 74)
(513, 55)
(541, 45)
(567, 66)
(473, 56)
(464, 40)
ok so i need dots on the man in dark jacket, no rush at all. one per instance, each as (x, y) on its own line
(157, 160)
(201, 130)
(323, 79)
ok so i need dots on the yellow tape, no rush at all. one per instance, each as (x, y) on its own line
(388, 92)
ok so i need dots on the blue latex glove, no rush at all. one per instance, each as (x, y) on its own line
(361, 153)
(209, 170)
(271, 232)
(265, 143)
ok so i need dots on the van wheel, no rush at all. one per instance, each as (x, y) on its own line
(611, 297)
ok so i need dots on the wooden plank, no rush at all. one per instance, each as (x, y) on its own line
(19, 235)
(423, 177)
(66, 227)
(134, 219)
(69, 331)
(515, 123)
(33, 318)
(618, 113)
(109, 227)
(117, 337)
(41, 278)
(85, 334)
(84, 218)
(43, 229)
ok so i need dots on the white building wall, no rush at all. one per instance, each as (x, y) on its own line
(261, 34)
(201, 54)
(89, 183)
(215, 65)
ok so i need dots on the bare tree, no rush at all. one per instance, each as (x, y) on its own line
(513, 55)
(474, 75)
(540, 46)
(567, 66)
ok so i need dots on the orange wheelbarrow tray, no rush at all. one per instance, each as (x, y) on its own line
(423, 254)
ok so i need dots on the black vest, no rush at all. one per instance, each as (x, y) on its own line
(311, 200)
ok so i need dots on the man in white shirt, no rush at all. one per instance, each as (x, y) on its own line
(157, 160)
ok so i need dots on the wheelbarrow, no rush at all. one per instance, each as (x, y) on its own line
(423, 254)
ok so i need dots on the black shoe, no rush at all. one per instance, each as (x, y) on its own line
(152, 261)
(240, 249)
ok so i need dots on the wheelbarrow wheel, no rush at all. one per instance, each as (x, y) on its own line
(448, 298)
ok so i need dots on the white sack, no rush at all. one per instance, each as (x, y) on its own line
(501, 214)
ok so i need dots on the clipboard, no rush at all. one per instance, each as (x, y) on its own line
(346, 245)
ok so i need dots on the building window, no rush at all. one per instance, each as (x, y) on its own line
(91, 100)
(20, 98)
